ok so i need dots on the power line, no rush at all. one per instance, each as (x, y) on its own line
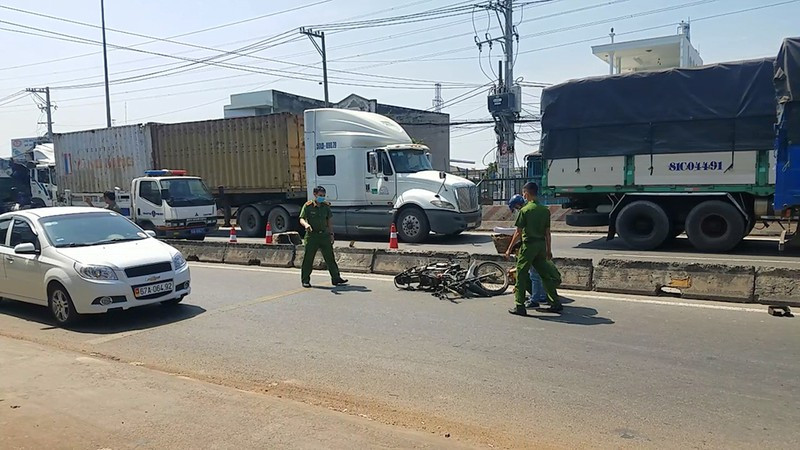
(217, 27)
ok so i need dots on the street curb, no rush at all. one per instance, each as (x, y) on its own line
(717, 282)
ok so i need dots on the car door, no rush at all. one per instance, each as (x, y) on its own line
(24, 273)
(5, 224)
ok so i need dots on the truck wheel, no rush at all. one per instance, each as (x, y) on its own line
(251, 222)
(412, 225)
(279, 220)
(715, 226)
(588, 219)
(643, 225)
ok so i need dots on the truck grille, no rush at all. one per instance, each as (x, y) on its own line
(467, 197)
(150, 269)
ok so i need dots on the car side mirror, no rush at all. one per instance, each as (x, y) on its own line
(442, 175)
(150, 233)
(373, 162)
(430, 158)
(165, 194)
(26, 248)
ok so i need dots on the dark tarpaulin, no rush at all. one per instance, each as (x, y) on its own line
(721, 107)
(787, 71)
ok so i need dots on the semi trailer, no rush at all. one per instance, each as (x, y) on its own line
(264, 167)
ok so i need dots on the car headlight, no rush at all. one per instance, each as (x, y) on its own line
(443, 204)
(99, 273)
(178, 261)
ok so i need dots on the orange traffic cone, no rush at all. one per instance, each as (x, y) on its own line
(232, 239)
(269, 234)
(393, 237)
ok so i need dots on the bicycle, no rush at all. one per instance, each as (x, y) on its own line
(448, 280)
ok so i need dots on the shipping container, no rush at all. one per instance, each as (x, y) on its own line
(100, 160)
(262, 154)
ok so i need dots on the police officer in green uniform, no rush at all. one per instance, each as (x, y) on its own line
(533, 225)
(316, 217)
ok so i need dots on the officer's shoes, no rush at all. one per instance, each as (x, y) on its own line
(306, 285)
(518, 311)
(339, 282)
(532, 304)
(556, 309)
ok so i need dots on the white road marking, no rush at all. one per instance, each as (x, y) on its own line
(567, 293)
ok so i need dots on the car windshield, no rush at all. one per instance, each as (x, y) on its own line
(83, 230)
(187, 192)
(410, 161)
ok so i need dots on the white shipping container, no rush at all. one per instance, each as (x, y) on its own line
(100, 160)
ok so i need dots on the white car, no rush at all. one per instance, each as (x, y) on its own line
(86, 261)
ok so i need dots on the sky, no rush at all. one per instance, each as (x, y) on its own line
(158, 81)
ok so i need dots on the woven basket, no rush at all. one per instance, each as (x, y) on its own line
(501, 242)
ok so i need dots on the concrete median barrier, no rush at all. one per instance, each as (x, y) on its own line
(260, 255)
(299, 252)
(576, 273)
(777, 286)
(388, 262)
(210, 252)
(358, 260)
(700, 281)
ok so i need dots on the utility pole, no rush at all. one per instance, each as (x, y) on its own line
(321, 49)
(105, 62)
(504, 104)
(46, 106)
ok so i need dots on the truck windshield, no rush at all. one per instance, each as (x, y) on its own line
(187, 192)
(409, 161)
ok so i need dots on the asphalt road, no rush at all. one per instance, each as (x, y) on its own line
(613, 371)
(757, 251)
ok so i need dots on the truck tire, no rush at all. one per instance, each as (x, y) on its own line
(587, 219)
(715, 226)
(643, 225)
(280, 220)
(251, 222)
(412, 225)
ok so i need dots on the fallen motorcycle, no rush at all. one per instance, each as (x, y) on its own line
(448, 280)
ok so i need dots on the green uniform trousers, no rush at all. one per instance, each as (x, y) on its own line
(322, 242)
(534, 254)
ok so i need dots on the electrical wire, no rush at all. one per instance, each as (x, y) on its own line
(217, 27)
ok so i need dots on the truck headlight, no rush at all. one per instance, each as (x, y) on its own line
(96, 273)
(178, 261)
(443, 204)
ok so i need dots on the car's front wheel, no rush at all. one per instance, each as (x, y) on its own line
(61, 306)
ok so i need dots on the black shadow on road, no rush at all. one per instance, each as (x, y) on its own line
(339, 290)
(143, 317)
(574, 315)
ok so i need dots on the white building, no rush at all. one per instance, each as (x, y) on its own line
(650, 54)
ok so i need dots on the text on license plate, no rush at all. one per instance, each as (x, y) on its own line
(197, 231)
(144, 291)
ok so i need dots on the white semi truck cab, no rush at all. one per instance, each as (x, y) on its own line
(374, 175)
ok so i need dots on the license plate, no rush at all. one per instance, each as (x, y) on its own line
(472, 224)
(153, 289)
(198, 231)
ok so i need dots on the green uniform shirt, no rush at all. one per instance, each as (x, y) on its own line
(534, 219)
(317, 216)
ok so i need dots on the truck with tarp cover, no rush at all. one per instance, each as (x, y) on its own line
(656, 154)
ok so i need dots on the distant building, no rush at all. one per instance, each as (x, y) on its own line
(666, 52)
(424, 127)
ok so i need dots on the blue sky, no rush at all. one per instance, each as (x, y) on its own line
(394, 64)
